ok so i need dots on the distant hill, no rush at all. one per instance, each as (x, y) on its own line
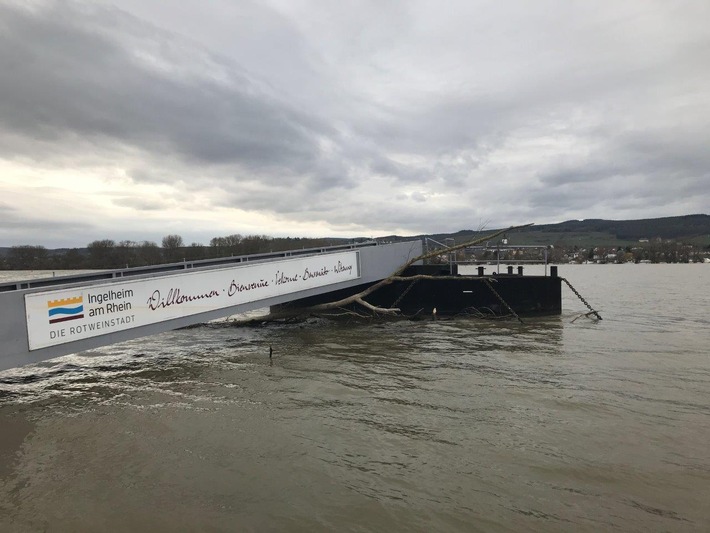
(694, 229)
(687, 226)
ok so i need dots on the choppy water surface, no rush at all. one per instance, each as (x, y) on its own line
(453, 425)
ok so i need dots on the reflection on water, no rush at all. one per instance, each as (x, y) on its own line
(450, 425)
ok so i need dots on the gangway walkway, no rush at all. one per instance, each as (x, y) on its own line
(46, 318)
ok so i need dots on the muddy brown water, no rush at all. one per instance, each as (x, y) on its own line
(448, 425)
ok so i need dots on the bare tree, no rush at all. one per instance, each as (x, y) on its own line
(148, 253)
(359, 298)
(102, 254)
(27, 257)
(172, 245)
(229, 245)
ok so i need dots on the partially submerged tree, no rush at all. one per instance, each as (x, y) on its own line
(359, 298)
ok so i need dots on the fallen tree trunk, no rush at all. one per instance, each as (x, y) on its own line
(397, 275)
(359, 298)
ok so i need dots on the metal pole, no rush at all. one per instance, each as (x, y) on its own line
(545, 261)
(452, 255)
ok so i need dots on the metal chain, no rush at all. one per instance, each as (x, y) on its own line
(500, 298)
(581, 298)
(404, 293)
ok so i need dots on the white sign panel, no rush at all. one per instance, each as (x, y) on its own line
(61, 316)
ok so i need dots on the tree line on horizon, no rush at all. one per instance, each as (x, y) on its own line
(109, 254)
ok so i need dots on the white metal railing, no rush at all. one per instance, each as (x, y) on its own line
(498, 249)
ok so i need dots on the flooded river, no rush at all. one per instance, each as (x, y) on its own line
(449, 425)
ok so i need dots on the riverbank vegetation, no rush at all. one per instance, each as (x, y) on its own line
(108, 254)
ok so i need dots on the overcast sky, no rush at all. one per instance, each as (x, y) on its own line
(133, 119)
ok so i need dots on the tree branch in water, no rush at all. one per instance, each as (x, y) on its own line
(397, 276)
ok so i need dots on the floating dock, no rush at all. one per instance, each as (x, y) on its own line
(441, 288)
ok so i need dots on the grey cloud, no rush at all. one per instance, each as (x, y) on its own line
(539, 112)
(71, 72)
(16, 228)
(641, 169)
(406, 173)
(139, 204)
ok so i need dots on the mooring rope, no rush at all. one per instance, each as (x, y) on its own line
(592, 311)
(501, 300)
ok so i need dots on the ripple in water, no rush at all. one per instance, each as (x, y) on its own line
(453, 425)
